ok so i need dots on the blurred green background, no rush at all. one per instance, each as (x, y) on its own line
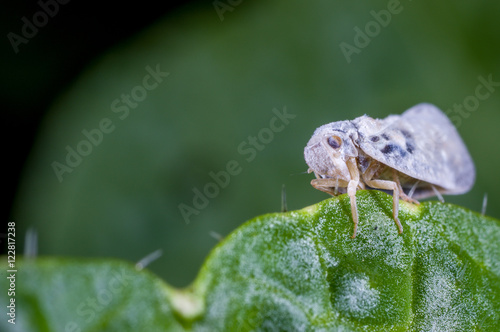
(229, 64)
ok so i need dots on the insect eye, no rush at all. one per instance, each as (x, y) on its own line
(335, 142)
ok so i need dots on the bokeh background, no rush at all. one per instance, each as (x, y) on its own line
(230, 64)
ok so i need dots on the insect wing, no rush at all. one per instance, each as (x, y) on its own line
(421, 143)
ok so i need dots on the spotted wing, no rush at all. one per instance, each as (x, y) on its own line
(421, 143)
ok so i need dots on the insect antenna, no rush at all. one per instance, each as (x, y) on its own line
(438, 194)
(300, 173)
(485, 203)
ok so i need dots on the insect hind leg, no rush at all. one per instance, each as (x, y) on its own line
(389, 185)
(402, 194)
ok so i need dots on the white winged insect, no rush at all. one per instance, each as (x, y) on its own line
(415, 155)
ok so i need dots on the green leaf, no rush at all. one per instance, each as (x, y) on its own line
(294, 271)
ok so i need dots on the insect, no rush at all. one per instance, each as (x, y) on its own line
(415, 155)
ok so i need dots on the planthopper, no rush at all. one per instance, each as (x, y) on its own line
(414, 155)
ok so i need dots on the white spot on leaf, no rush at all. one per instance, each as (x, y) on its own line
(355, 297)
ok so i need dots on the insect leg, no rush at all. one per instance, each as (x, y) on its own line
(401, 192)
(412, 190)
(351, 191)
(389, 185)
(373, 170)
(328, 185)
(438, 194)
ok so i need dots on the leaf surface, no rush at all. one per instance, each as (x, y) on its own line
(291, 271)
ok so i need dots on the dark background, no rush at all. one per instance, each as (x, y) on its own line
(51, 60)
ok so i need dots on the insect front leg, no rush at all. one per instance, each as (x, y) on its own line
(351, 191)
(328, 185)
(389, 185)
